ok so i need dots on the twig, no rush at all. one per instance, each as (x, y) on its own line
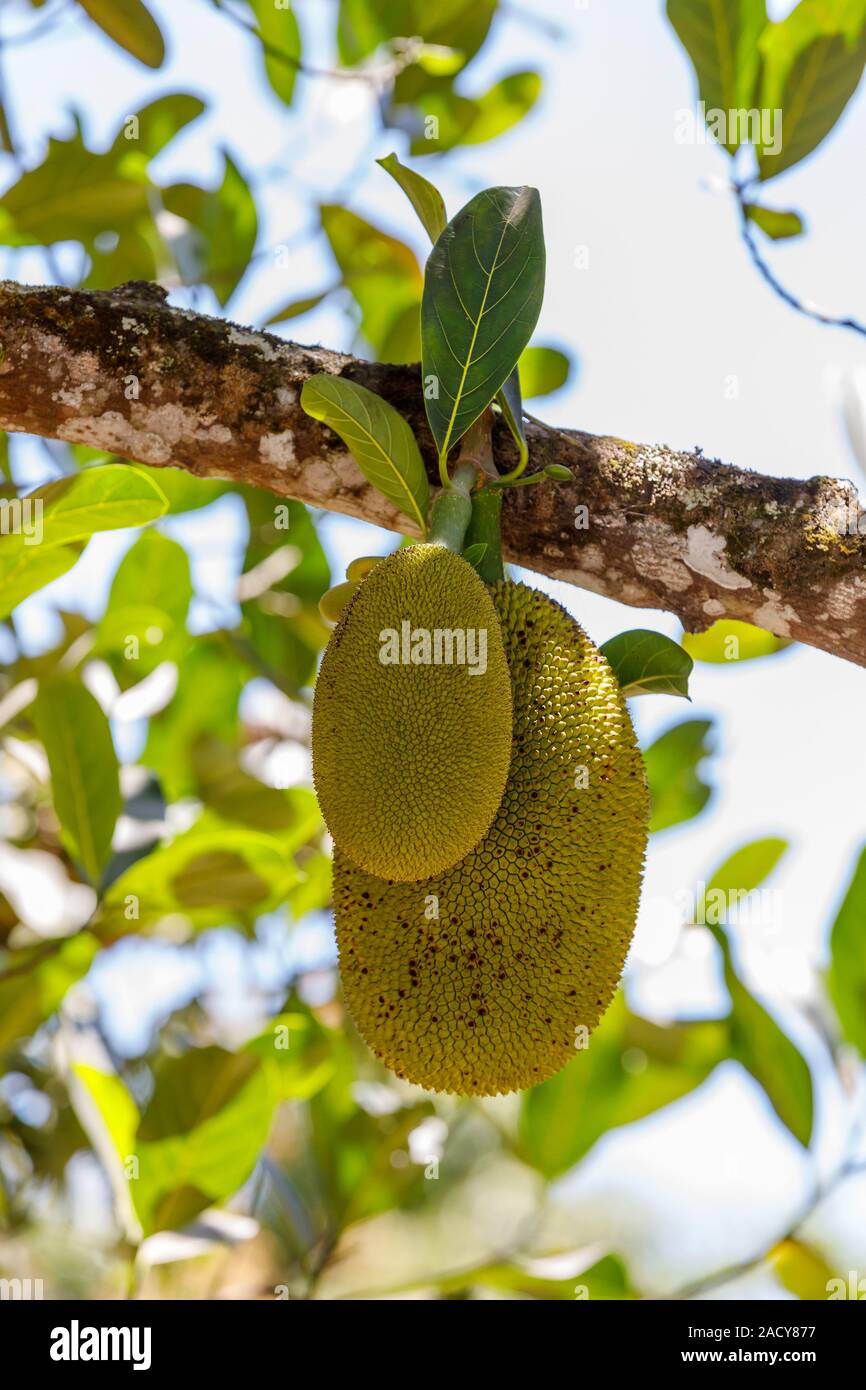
(805, 307)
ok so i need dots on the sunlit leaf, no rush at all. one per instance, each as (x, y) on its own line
(846, 978)
(98, 499)
(281, 35)
(812, 64)
(543, 370)
(26, 569)
(379, 438)
(130, 24)
(721, 37)
(84, 773)
(424, 197)
(729, 640)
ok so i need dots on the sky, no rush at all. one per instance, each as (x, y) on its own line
(650, 287)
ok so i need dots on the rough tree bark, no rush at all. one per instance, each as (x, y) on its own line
(123, 371)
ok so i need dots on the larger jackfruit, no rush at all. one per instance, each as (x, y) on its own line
(412, 716)
(486, 978)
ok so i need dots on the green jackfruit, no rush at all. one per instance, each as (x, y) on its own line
(412, 716)
(484, 978)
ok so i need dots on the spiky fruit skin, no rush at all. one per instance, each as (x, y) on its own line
(533, 925)
(410, 761)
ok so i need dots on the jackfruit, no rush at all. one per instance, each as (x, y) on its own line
(487, 978)
(412, 716)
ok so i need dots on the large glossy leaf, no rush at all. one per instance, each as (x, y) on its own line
(156, 125)
(721, 38)
(812, 65)
(130, 24)
(210, 665)
(483, 289)
(281, 35)
(672, 766)
(648, 663)
(846, 978)
(380, 440)
(84, 774)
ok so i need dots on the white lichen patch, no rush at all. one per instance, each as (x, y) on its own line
(287, 396)
(656, 554)
(713, 608)
(245, 337)
(592, 558)
(278, 450)
(705, 555)
(845, 597)
(151, 434)
(775, 616)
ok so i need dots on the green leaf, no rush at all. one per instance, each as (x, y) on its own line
(721, 38)
(84, 774)
(98, 499)
(474, 554)
(296, 307)
(846, 977)
(380, 440)
(144, 622)
(157, 124)
(131, 25)
(729, 641)
(510, 402)
(384, 277)
(25, 569)
(759, 1044)
(747, 868)
(483, 289)
(201, 1133)
(207, 665)
(812, 64)
(672, 763)
(443, 118)
(226, 221)
(424, 197)
(543, 370)
(28, 999)
(211, 874)
(461, 25)
(648, 663)
(629, 1069)
(773, 223)
(279, 31)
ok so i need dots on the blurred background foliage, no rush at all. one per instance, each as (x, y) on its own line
(243, 1142)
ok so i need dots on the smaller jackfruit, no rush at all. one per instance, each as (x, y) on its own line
(412, 716)
(487, 977)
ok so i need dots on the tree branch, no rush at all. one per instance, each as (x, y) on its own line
(123, 371)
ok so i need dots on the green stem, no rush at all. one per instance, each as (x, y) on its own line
(485, 527)
(452, 510)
